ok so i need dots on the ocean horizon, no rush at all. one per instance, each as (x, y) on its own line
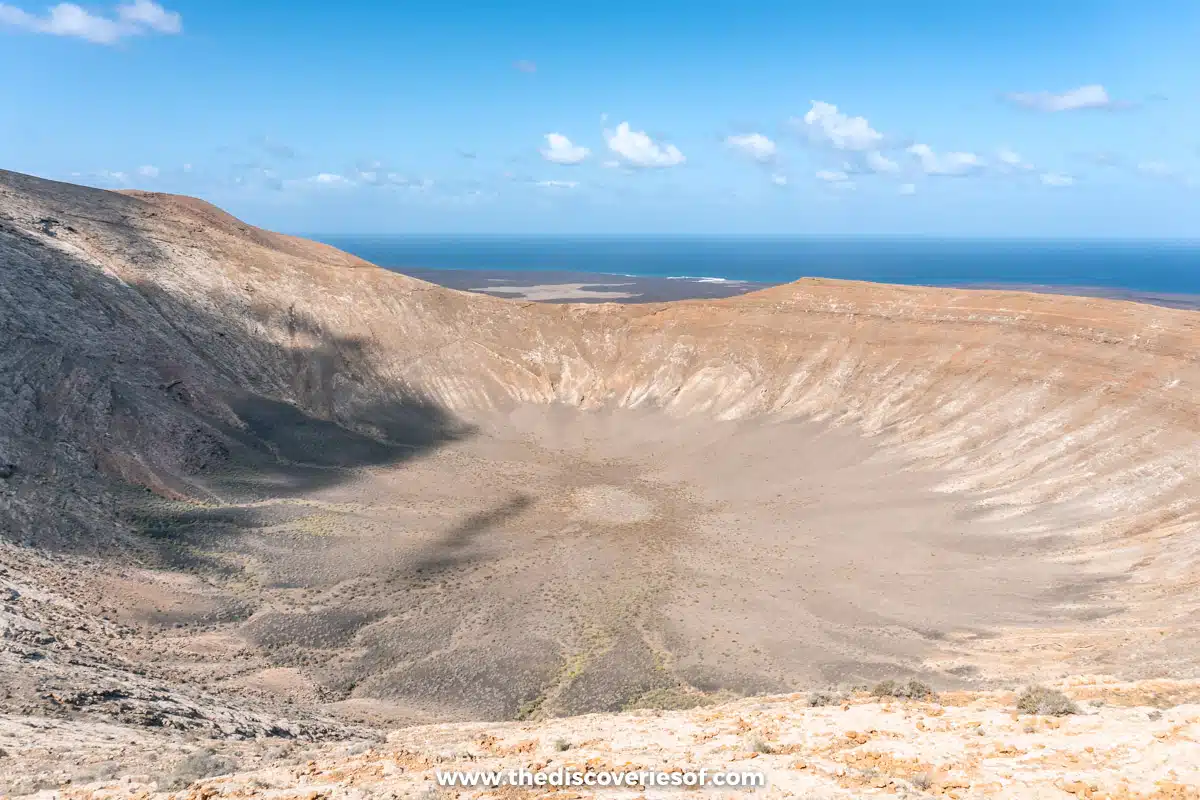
(1171, 267)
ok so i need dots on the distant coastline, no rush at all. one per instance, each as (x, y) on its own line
(563, 286)
(1190, 302)
(664, 268)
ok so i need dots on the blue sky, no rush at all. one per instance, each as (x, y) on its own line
(948, 119)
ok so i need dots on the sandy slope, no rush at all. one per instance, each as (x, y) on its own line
(253, 486)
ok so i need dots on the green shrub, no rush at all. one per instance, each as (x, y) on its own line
(197, 765)
(1045, 702)
(911, 689)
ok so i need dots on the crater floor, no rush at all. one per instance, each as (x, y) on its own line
(558, 561)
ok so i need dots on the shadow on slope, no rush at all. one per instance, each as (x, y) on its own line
(126, 407)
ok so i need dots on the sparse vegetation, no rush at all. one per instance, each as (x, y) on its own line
(562, 745)
(911, 689)
(758, 745)
(1045, 702)
(867, 775)
(529, 709)
(677, 698)
(921, 781)
(818, 699)
(197, 765)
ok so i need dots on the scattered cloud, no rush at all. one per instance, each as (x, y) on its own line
(611, 164)
(637, 149)
(372, 177)
(187, 167)
(109, 176)
(835, 178)
(372, 172)
(525, 66)
(1057, 179)
(908, 188)
(468, 154)
(557, 184)
(150, 15)
(138, 18)
(948, 164)
(560, 150)
(826, 125)
(330, 179)
(148, 171)
(1091, 96)
(754, 145)
(878, 162)
(779, 180)
(1010, 160)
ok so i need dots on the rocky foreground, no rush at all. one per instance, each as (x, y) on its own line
(1119, 741)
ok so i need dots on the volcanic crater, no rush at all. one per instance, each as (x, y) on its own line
(259, 477)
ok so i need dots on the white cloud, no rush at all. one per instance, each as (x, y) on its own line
(835, 178)
(908, 188)
(67, 19)
(825, 124)
(113, 177)
(1057, 179)
(330, 179)
(951, 164)
(880, 163)
(611, 164)
(559, 150)
(637, 149)
(148, 171)
(557, 184)
(779, 180)
(150, 15)
(1090, 96)
(187, 167)
(755, 145)
(373, 174)
(1010, 159)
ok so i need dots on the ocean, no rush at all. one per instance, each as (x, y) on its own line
(1165, 267)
